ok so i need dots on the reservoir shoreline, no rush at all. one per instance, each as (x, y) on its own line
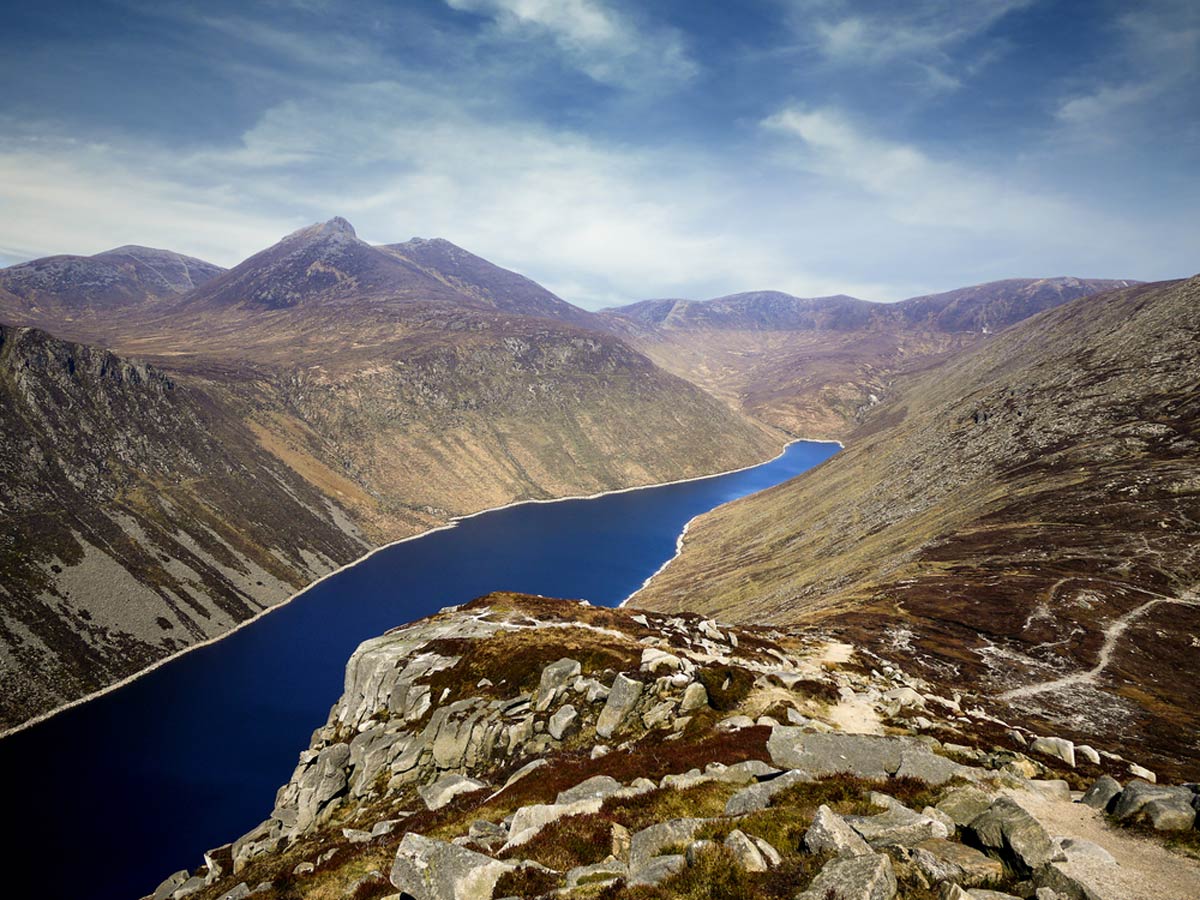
(453, 523)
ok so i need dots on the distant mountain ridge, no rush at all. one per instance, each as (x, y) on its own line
(115, 278)
(990, 306)
(813, 365)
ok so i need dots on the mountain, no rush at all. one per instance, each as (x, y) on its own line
(524, 747)
(323, 263)
(111, 280)
(752, 311)
(1022, 521)
(481, 280)
(994, 306)
(813, 366)
(395, 399)
(141, 517)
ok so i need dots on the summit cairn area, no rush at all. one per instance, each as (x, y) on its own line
(526, 747)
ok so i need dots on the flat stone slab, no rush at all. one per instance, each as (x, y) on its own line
(863, 755)
(854, 878)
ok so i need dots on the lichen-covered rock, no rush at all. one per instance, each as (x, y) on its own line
(427, 869)
(1100, 795)
(745, 851)
(554, 680)
(622, 698)
(1139, 793)
(1060, 748)
(595, 788)
(830, 833)
(758, 796)
(649, 842)
(169, 885)
(1008, 829)
(864, 755)
(445, 789)
(658, 870)
(898, 826)
(963, 804)
(528, 821)
(1082, 870)
(319, 782)
(694, 697)
(854, 878)
(941, 860)
(563, 722)
(1169, 815)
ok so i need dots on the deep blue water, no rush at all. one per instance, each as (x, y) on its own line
(105, 800)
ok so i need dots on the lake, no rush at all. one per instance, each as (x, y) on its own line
(105, 800)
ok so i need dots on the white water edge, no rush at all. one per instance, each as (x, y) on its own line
(141, 673)
(688, 524)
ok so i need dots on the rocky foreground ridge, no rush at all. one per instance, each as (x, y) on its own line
(525, 747)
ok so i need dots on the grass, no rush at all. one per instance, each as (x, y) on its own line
(727, 686)
(525, 882)
(635, 813)
(571, 841)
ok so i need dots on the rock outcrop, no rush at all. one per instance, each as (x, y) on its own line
(402, 777)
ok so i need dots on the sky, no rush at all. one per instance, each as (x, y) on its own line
(616, 150)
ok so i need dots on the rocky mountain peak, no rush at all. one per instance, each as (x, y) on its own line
(338, 225)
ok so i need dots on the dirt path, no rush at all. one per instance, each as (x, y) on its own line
(1112, 634)
(1145, 870)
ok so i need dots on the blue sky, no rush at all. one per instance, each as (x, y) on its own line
(620, 150)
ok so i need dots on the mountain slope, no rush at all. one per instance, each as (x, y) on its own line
(1025, 517)
(140, 518)
(813, 366)
(481, 280)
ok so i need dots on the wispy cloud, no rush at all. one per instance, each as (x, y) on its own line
(921, 35)
(1157, 50)
(603, 42)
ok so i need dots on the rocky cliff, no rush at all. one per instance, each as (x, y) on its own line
(1025, 518)
(525, 747)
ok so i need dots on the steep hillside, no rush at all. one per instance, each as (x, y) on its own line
(1024, 519)
(35, 292)
(140, 518)
(813, 366)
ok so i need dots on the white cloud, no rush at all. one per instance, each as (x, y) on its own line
(914, 188)
(603, 223)
(600, 41)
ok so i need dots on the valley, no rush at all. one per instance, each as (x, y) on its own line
(281, 419)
